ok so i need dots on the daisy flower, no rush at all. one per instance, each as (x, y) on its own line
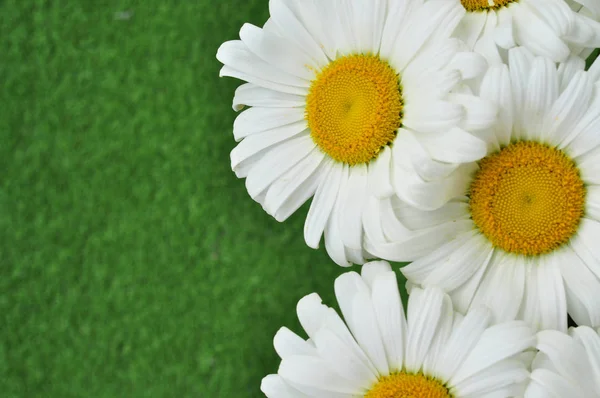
(381, 353)
(552, 28)
(336, 90)
(567, 365)
(522, 234)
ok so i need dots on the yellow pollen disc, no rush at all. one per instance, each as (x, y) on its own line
(528, 198)
(405, 385)
(354, 108)
(484, 5)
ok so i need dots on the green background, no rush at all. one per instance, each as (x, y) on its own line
(133, 262)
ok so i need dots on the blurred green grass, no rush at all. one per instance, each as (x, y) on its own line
(134, 264)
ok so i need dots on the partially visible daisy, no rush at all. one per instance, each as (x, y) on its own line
(521, 235)
(380, 353)
(552, 28)
(567, 365)
(337, 90)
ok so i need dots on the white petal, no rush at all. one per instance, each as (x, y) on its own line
(256, 120)
(440, 339)
(453, 146)
(430, 60)
(285, 190)
(459, 266)
(503, 379)
(240, 62)
(566, 355)
(288, 343)
(353, 297)
(322, 203)
(504, 32)
(372, 221)
(589, 166)
(343, 360)
(353, 200)
(530, 307)
(369, 18)
(371, 270)
(567, 69)
(536, 35)
(582, 288)
(502, 287)
(279, 52)
(346, 38)
(303, 192)
(486, 44)
(546, 384)
(462, 297)
(293, 29)
(314, 377)
(430, 86)
(399, 14)
(470, 65)
(556, 14)
(583, 136)
(497, 343)
(585, 244)
(390, 317)
(471, 27)
(250, 95)
(257, 143)
(275, 163)
(333, 237)
(540, 94)
(432, 195)
(590, 340)
(431, 117)
(496, 87)
(418, 271)
(436, 18)
(408, 153)
(262, 82)
(379, 179)
(552, 298)
(568, 109)
(463, 339)
(420, 244)
(418, 219)
(393, 228)
(424, 313)
(273, 386)
(312, 314)
(519, 61)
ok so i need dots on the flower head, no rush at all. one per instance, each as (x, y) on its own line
(378, 352)
(340, 92)
(519, 231)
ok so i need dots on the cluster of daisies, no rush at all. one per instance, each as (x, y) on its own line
(461, 136)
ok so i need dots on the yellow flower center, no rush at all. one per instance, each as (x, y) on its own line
(354, 108)
(528, 198)
(484, 5)
(406, 385)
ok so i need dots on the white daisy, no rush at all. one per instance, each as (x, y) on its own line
(551, 28)
(380, 353)
(338, 90)
(567, 365)
(521, 235)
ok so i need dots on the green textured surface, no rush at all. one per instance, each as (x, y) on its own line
(133, 262)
